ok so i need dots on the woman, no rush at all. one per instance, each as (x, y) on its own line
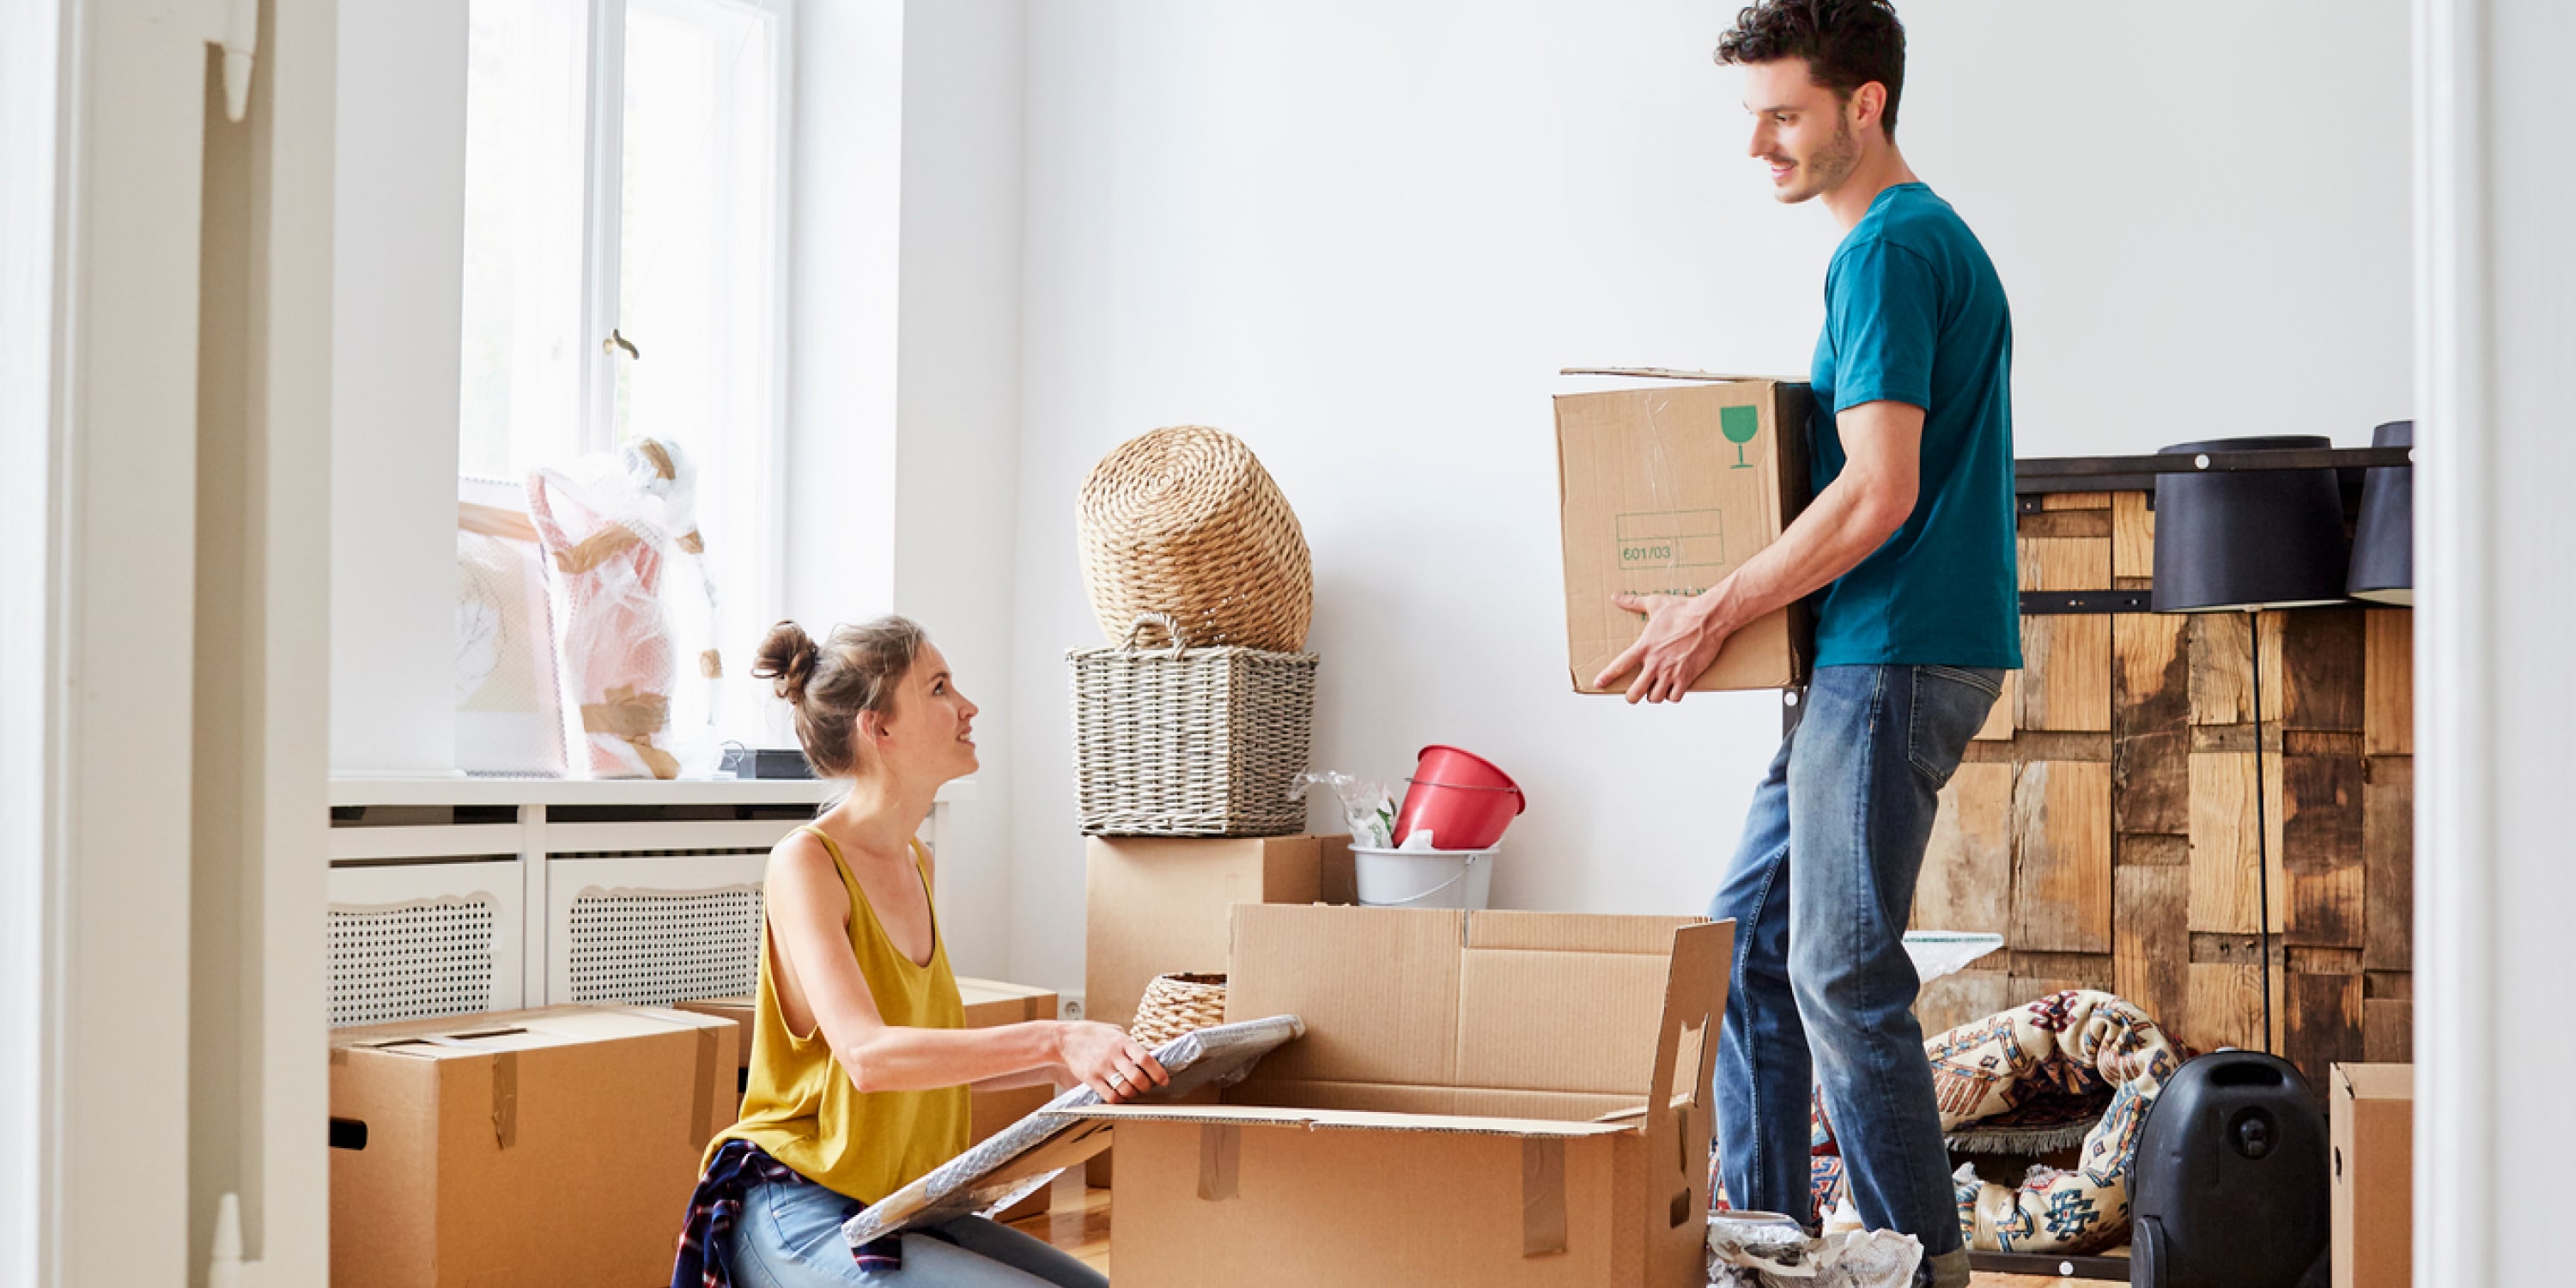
(860, 1066)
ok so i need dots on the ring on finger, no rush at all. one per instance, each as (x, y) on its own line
(1117, 1081)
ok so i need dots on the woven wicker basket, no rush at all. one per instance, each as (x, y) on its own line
(1185, 521)
(1177, 1004)
(1190, 741)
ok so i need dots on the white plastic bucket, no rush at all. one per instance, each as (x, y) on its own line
(1424, 878)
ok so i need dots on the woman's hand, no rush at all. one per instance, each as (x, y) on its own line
(1103, 1058)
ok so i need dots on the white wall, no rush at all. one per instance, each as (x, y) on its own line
(1364, 236)
(844, 215)
(958, 405)
(397, 313)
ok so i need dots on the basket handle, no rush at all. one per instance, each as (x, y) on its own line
(1171, 632)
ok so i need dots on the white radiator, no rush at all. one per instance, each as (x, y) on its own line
(488, 895)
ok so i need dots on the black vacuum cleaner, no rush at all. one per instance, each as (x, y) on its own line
(2229, 1187)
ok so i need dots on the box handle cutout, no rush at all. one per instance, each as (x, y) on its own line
(1687, 1088)
(1681, 1208)
(348, 1133)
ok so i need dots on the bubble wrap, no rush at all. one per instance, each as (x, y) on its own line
(1213, 1057)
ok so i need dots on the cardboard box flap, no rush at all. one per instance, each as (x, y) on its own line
(1498, 1002)
(2375, 1081)
(1345, 1120)
(1377, 988)
(1694, 1004)
(1672, 373)
(552, 1025)
(1572, 932)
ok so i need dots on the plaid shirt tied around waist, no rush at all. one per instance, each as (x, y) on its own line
(717, 1205)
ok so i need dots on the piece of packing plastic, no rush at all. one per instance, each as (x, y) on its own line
(1936, 953)
(1768, 1250)
(612, 525)
(1213, 1057)
(1367, 807)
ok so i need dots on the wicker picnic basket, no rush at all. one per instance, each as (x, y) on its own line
(1185, 521)
(1180, 741)
(1177, 1004)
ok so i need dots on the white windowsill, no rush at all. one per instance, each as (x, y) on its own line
(622, 791)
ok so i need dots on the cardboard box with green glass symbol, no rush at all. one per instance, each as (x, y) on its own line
(1668, 487)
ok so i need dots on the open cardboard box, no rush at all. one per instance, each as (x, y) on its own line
(1499, 1099)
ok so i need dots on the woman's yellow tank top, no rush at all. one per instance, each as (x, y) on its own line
(800, 1106)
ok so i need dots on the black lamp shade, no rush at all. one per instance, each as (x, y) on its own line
(2243, 539)
(2383, 542)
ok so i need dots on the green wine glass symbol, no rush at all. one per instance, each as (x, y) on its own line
(1739, 424)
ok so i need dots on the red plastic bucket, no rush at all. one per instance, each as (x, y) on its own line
(1461, 797)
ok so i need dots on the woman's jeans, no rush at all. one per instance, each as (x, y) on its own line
(1822, 990)
(789, 1236)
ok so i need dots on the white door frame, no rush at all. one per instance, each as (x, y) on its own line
(2495, 612)
(99, 498)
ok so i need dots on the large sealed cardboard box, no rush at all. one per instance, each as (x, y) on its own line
(2373, 1129)
(988, 1003)
(1159, 905)
(554, 1146)
(1667, 489)
(1495, 1099)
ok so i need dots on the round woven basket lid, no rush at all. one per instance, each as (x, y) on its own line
(1184, 521)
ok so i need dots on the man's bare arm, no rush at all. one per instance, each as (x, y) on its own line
(1847, 522)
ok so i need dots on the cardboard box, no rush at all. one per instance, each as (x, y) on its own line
(2373, 1174)
(548, 1146)
(1159, 905)
(740, 1010)
(1666, 490)
(1497, 1099)
(988, 1003)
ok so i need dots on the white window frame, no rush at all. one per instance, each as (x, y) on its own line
(604, 142)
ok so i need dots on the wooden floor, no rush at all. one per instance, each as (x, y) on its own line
(1081, 1227)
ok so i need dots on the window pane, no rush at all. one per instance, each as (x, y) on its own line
(697, 296)
(526, 72)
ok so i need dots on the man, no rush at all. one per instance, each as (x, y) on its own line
(1910, 541)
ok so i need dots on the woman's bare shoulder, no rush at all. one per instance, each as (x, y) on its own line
(801, 867)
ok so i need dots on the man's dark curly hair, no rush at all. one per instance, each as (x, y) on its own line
(1847, 44)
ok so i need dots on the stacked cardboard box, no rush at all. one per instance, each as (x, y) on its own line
(547, 1146)
(988, 1003)
(1161, 906)
(2373, 1175)
(1480, 1098)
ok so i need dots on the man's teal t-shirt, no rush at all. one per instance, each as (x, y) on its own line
(1915, 314)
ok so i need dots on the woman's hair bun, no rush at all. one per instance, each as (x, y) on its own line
(786, 656)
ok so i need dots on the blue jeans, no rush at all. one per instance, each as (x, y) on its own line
(1822, 990)
(789, 1236)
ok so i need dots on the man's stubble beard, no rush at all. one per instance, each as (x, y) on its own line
(1829, 167)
